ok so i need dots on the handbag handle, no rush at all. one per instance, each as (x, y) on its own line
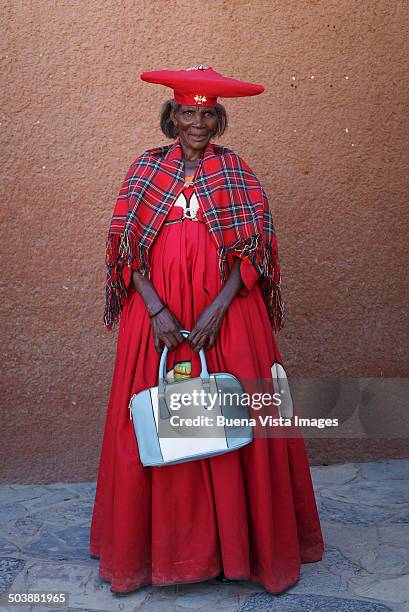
(204, 375)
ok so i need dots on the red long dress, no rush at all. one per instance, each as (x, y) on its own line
(251, 512)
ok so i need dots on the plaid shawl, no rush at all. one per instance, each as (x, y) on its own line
(235, 209)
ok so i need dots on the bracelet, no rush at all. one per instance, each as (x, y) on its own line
(160, 310)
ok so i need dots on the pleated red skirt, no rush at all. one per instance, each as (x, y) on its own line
(250, 512)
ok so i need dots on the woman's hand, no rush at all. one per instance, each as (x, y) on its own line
(208, 324)
(166, 328)
(165, 325)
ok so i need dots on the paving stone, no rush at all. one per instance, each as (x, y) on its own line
(401, 607)
(355, 554)
(353, 542)
(22, 531)
(208, 597)
(352, 549)
(70, 513)
(351, 514)
(12, 510)
(86, 590)
(80, 485)
(14, 493)
(204, 596)
(334, 474)
(7, 548)
(347, 537)
(315, 578)
(400, 518)
(267, 602)
(386, 494)
(65, 545)
(390, 469)
(386, 559)
(52, 496)
(387, 589)
(394, 534)
(338, 563)
(84, 489)
(361, 581)
(77, 536)
(9, 568)
(32, 494)
(48, 609)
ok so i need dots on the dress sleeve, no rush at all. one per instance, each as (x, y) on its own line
(126, 275)
(249, 276)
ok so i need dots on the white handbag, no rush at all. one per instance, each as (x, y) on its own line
(162, 442)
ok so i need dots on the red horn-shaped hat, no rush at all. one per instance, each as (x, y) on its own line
(200, 85)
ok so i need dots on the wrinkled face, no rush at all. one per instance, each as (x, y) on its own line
(196, 125)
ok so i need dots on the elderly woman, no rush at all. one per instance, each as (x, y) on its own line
(191, 245)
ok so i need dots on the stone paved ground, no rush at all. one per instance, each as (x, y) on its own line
(364, 510)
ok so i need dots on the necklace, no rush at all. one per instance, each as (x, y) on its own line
(190, 171)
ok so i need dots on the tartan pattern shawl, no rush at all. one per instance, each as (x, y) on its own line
(235, 209)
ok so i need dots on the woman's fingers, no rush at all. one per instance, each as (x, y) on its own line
(168, 340)
(210, 341)
(192, 338)
(177, 336)
(173, 338)
(201, 335)
(199, 341)
(206, 328)
(156, 340)
(167, 330)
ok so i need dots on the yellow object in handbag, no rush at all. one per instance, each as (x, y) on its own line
(183, 369)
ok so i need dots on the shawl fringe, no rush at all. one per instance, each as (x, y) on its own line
(265, 260)
(114, 287)
(120, 251)
(125, 250)
(133, 253)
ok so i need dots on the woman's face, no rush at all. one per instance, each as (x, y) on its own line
(196, 125)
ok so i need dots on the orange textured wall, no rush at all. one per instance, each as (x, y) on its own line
(328, 139)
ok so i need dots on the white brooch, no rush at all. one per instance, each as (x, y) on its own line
(200, 100)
